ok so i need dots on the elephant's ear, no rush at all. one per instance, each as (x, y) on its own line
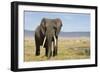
(43, 26)
(58, 24)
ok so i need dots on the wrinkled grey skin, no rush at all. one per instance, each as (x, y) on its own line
(48, 28)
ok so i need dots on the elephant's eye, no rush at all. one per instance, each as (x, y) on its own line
(55, 28)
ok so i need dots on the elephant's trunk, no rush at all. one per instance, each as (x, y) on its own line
(44, 41)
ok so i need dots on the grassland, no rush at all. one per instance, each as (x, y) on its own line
(68, 48)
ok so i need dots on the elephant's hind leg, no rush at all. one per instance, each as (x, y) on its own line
(37, 53)
(37, 50)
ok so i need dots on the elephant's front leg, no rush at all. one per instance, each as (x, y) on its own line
(56, 48)
(46, 51)
(55, 51)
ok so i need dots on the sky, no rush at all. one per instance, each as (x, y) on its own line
(72, 22)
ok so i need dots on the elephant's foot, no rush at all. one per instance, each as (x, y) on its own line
(49, 55)
(46, 52)
(37, 54)
(46, 55)
(55, 51)
(55, 54)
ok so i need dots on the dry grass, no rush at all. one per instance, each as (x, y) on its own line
(68, 48)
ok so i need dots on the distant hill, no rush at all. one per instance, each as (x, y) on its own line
(28, 33)
(74, 34)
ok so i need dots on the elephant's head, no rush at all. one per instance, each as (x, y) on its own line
(50, 28)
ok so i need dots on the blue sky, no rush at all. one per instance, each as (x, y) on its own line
(72, 22)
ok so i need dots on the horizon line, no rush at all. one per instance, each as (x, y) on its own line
(61, 31)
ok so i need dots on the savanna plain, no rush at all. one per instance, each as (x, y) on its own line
(70, 48)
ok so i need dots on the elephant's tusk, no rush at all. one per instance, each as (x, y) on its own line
(55, 40)
(44, 41)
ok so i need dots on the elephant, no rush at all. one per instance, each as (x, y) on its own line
(46, 35)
